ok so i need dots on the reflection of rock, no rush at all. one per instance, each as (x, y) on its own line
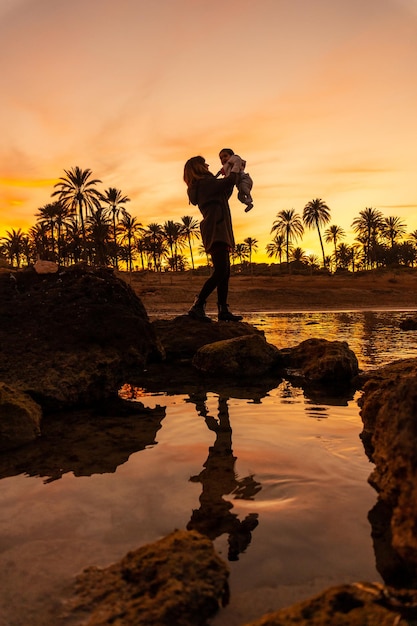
(358, 604)
(182, 336)
(20, 418)
(322, 361)
(388, 411)
(85, 443)
(176, 580)
(245, 356)
(393, 569)
(72, 337)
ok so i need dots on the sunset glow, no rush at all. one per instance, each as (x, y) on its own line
(319, 97)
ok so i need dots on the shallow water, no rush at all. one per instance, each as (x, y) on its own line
(281, 479)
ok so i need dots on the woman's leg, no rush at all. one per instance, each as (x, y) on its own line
(220, 276)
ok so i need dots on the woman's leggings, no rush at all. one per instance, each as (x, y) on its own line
(220, 277)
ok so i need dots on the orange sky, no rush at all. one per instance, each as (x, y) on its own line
(319, 96)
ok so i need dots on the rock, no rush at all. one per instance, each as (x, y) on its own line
(322, 361)
(182, 336)
(20, 418)
(177, 580)
(358, 604)
(71, 338)
(247, 356)
(46, 267)
(389, 415)
(409, 323)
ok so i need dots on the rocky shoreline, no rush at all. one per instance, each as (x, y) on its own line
(70, 338)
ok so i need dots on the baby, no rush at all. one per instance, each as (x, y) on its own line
(245, 183)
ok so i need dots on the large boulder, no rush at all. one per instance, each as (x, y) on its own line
(177, 580)
(20, 418)
(389, 415)
(182, 336)
(358, 604)
(247, 356)
(71, 338)
(322, 361)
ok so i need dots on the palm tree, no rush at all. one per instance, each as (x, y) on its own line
(78, 193)
(191, 229)
(316, 213)
(154, 242)
(114, 201)
(368, 226)
(99, 226)
(313, 262)
(241, 252)
(252, 245)
(173, 232)
(13, 245)
(275, 248)
(46, 215)
(392, 228)
(130, 230)
(333, 234)
(299, 255)
(413, 237)
(289, 225)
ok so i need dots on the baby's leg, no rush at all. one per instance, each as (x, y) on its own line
(244, 191)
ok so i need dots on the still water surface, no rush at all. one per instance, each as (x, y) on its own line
(282, 479)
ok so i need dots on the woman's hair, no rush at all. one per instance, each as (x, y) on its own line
(227, 150)
(194, 169)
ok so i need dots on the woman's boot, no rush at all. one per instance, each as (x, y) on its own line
(198, 312)
(225, 315)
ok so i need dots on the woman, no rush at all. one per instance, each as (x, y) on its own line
(212, 195)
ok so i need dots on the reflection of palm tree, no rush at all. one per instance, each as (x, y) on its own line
(289, 225)
(316, 213)
(214, 517)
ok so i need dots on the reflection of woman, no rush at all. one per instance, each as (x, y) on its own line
(212, 195)
(215, 517)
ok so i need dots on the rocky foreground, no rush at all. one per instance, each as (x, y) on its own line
(69, 339)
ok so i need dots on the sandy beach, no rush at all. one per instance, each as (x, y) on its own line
(173, 293)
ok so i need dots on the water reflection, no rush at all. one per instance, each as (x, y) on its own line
(218, 478)
(85, 442)
(374, 336)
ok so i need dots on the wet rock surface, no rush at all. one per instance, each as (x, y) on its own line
(246, 356)
(177, 580)
(182, 336)
(360, 604)
(322, 361)
(20, 418)
(389, 415)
